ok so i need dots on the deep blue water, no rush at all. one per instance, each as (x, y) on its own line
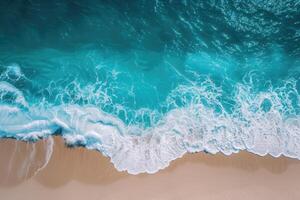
(145, 82)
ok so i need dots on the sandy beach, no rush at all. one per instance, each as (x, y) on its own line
(78, 173)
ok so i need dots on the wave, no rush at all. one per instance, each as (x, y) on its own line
(262, 123)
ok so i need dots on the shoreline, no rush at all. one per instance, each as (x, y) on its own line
(79, 172)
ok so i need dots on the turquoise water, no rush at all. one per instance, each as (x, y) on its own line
(145, 82)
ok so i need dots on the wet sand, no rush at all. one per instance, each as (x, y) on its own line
(78, 173)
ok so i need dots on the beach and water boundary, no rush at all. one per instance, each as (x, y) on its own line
(78, 173)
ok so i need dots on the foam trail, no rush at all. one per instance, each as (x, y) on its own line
(48, 154)
(197, 120)
(10, 162)
(193, 128)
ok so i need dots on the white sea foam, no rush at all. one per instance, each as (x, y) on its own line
(190, 129)
(259, 122)
(15, 95)
(12, 72)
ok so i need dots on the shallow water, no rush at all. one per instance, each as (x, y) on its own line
(144, 82)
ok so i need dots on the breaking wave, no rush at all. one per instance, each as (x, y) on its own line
(262, 123)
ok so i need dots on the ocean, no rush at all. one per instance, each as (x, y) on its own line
(145, 82)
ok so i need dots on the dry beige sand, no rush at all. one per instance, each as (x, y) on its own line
(78, 173)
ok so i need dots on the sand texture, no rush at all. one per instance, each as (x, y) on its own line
(78, 173)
